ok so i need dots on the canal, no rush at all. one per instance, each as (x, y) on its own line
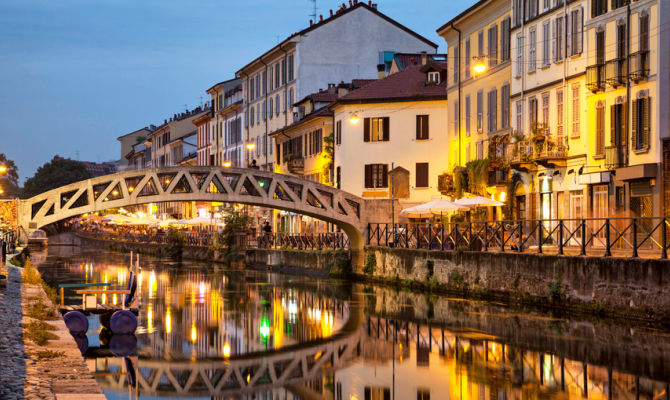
(210, 332)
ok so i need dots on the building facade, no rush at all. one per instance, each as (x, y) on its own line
(129, 140)
(478, 89)
(310, 59)
(203, 126)
(392, 134)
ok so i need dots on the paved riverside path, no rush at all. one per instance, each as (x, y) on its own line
(12, 355)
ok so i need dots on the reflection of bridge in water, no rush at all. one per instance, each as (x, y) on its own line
(247, 373)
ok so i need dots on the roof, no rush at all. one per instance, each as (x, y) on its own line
(337, 15)
(321, 112)
(409, 83)
(405, 60)
(463, 14)
(222, 83)
(146, 128)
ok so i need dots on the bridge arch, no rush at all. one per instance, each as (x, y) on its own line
(198, 183)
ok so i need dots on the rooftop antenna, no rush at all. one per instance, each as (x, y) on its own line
(313, 14)
(200, 101)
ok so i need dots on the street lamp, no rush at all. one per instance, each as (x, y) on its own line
(3, 169)
(479, 66)
(251, 146)
(227, 164)
(354, 119)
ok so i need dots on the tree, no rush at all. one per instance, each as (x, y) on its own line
(9, 181)
(56, 173)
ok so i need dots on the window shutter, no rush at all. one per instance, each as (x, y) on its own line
(646, 122)
(386, 129)
(426, 132)
(368, 175)
(554, 43)
(612, 127)
(634, 125)
(494, 111)
(568, 27)
(594, 4)
(418, 128)
(385, 175)
(580, 30)
(366, 129)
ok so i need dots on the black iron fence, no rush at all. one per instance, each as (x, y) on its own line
(622, 237)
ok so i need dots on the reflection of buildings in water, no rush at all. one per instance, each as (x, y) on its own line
(471, 366)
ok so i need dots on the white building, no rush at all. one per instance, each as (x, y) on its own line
(346, 45)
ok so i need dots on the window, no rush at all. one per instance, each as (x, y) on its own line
(421, 175)
(423, 394)
(531, 50)
(644, 33)
(531, 8)
(575, 111)
(546, 31)
(545, 108)
(518, 12)
(315, 144)
(271, 108)
(480, 111)
(271, 81)
(504, 106)
(641, 123)
(480, 150)
(277, 104)
(480, 44)
(338, 132)
(456, 118)
(291, 74)
(557, 38)
(546, 5)
(252, 89)
(258, 85)
(376, 175)
(467, 58)
(265, 82)
(265, 110)
(421, 127)
(467, 153)
(575, 27)
(532, 112)
(376, 129)
(519, 116)
(492, 110)
(600, 129)
(456, 57)
(559, 112)
(277, 81)
(598, 7)
(467, 115)
(283, 71)
(290, 97)
(519, 55)
(434, 77)
(258, 113)
(252, 119)
(504, 39)
(493, 45)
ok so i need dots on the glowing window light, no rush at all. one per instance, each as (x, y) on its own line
(168, 321)
(226, 349)
(194, 333)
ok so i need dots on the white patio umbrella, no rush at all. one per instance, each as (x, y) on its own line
(428, 210)
(478, 201)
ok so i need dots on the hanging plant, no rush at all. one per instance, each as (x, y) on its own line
(478, 175)
(460, 181)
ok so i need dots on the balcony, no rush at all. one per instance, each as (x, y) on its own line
(296, 165)
(520, 155)
(616, 157)
(552, 151)
(497, 177)
(615, 70)
(639, 65)
(595, 77)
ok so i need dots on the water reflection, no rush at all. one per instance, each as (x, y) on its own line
(215, 333)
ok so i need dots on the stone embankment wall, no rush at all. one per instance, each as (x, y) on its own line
(619, 284)
(323, 263)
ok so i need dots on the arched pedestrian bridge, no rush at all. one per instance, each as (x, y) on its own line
(194, 183)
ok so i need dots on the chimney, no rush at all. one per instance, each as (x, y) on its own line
(355, 2)
(381, 71)
(351, 3)
(424, 58)
(331, 12)
(311, 22)
(320, 17)
(374, 5)
(370, 3)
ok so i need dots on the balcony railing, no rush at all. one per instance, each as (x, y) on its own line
(595, 77)
(615, 70)
(520, 152)
(552, 148)
(296, 165)
(639, 65)
(616, 157)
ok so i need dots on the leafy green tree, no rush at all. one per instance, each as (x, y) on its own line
(56, 173)
(9, 181)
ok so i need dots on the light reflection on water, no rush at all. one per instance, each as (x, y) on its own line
(407, 345)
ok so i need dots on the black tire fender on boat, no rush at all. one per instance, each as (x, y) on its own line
(123, 322)
(76, 322)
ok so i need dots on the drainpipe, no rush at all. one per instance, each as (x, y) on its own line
(265, 106)
(459, 93)
(628, 102)
(246, 116)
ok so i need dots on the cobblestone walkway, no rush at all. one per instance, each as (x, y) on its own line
(12, 356)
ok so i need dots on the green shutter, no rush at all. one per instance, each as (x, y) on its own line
(646, 122)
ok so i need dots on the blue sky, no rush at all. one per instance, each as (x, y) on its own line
(76, 74)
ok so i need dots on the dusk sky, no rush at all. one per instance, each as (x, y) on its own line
(76, 74)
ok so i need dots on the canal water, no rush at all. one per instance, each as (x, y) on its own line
(210, 332)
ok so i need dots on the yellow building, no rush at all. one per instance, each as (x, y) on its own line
(478, 87)
(628, 118)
